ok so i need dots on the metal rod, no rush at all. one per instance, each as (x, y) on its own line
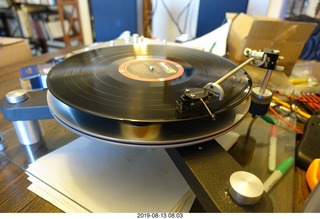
(211, 114)
(265, 81)
(226, 76)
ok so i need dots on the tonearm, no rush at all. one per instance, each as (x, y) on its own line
(196, 97)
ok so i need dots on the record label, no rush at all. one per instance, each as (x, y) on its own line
(151, 70)
(125, 83)
(128, 95)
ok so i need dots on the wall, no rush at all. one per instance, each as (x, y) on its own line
(164, 27)
(279, 8)
(258, 7)
(111, 18)
(85, 22)
(192, 17)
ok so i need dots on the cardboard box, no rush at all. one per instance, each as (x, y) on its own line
(262, 32)
(14, 50)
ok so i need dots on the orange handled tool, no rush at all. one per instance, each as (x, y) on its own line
(313, 173)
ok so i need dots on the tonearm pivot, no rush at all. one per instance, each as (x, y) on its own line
(195, 97)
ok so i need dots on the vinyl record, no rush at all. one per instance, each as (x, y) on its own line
(164, 134)
(141, 83)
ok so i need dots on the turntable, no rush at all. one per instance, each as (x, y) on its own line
(159, 96)
(129, 95)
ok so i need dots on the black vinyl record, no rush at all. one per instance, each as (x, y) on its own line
(153, 134)
(141, 83)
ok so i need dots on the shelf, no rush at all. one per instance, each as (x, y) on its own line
(43, 22)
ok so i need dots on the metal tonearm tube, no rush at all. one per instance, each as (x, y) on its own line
(193, 97)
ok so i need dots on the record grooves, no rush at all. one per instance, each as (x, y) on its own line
(127, 95)
(93, 82)
(169, 134)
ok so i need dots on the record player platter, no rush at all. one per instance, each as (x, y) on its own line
(127, 95)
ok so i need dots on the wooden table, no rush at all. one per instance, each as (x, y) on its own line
(13, 180)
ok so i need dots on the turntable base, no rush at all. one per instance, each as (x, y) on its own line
(207, 168)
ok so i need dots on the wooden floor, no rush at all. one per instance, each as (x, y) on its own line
(15, 197)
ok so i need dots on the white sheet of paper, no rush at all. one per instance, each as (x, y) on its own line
(102, 177)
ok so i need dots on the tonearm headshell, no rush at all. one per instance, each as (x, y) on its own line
(199, 97)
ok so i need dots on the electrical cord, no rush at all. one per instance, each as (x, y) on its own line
(171, 16)
(285, 121)
(176, 22)
(187, 9)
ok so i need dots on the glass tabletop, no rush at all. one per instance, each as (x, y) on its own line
(250, 150)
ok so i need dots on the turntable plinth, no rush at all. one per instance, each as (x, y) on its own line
(207, 168)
